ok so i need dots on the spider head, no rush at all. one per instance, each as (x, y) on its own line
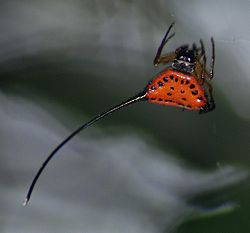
(185, 59)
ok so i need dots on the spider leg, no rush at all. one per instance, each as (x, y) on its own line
(198, 52)
(211, 71)
(165, 39)
(195, 49)
(165, 59)
(207, 74)
(199, 69)
(203, 75)
(210, 87)
(204, 58)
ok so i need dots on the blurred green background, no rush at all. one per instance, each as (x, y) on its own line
(73, 60)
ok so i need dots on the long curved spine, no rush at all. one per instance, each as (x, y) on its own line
(139, 97)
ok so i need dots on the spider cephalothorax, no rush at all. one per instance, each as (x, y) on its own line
(185, 59)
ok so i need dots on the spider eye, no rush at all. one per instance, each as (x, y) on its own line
(186, 55)
(190, 55)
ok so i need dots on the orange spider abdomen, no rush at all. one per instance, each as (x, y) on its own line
(175, 88)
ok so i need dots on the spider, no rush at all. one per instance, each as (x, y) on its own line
(184, 83)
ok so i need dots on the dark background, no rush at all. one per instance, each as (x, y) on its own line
(147, 168)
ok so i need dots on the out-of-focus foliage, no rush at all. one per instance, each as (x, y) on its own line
(147, 168)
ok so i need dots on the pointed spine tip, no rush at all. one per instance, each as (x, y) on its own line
(25, 202)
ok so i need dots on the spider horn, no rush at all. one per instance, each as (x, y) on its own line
(137, 98)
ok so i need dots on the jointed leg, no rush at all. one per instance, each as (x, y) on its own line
(210, 87)
(165, 58)
(203, 56)
(205, 74)
(163, 43)
(200, 70)
(198, 73)
(211, 71)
